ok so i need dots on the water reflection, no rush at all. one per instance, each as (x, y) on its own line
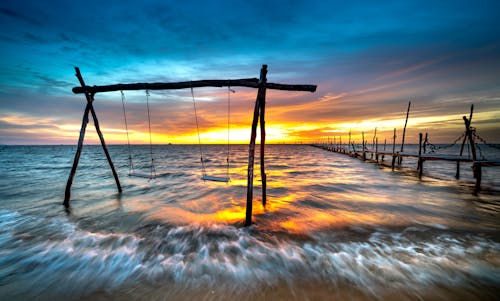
(331, 226)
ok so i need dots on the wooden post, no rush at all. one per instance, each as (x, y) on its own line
(341, 149)
(383, 155)
(349, 144)
(426, 140)
(476, 169)
(376, 149)
(400, 160)
(263, 141)
(420, 161)
(457, 175)
(364, 153)
(251, 149)
(89, 107)
(476, 166)
(373, 142)
(393, 149)
(85, 121)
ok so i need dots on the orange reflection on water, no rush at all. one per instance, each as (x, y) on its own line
(312, 220)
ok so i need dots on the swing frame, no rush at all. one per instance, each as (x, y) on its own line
(259, 113)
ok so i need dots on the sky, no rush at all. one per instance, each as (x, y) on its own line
(368, 58)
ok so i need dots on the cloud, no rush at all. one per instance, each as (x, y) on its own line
(368, 61)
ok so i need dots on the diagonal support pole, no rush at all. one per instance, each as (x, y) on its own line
(89, 107)
(85, 120)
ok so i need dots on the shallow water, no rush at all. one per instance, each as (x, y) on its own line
(334, 227)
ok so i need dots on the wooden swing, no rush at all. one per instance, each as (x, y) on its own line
(204, 175)
(152, 169)
(259, 112)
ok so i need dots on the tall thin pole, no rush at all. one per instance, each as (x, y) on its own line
(457, 175)
(404, 132)
(364, 145)
(85, 121)
(420, 164)
(251, 149)
(476, 166)
(349, 146)
(263, 142)
(393, 149)
(385, 143)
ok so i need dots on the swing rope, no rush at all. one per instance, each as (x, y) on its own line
(228, 127)
(130, 163)
(153, 170)
(198, 131)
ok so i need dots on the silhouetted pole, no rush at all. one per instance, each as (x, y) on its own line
(426, 140)
(420, 164)
(373, 142)
(394, 149)
(364, 145)
(263, 137)
(251, 149)
(383, 155)
(85, 121)
(476, 166)
(89, 107)
(349, 144)
(404, 132)
(457, 175)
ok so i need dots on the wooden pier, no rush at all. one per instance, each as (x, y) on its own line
(374, 155)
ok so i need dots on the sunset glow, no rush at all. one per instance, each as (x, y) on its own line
(365, 74)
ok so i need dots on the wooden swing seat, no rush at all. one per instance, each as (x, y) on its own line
(147, 175)
(215, 179)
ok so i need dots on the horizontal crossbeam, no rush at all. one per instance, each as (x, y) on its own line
(246, 82)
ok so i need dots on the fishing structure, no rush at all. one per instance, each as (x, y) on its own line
(259, 115)
(377, 156)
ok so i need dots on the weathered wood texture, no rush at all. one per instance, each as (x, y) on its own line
(263, 141)
(89, 107)
(251, 148)
(457, 174)
(259, 112)
(246, 82)
(400, 160)
(420, 164)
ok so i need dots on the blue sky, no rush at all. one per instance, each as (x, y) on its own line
(368, 59)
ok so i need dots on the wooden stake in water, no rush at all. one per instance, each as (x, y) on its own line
(251, 148)
(263, 141)
(420, 161)
(426, 140)
(89, 107)
(393, 149)
(383, 155)
(400, 160)
(349, 144)
(364, 145)
(476, 166)
(457, 175)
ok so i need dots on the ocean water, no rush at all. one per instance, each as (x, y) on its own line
(333, 228)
